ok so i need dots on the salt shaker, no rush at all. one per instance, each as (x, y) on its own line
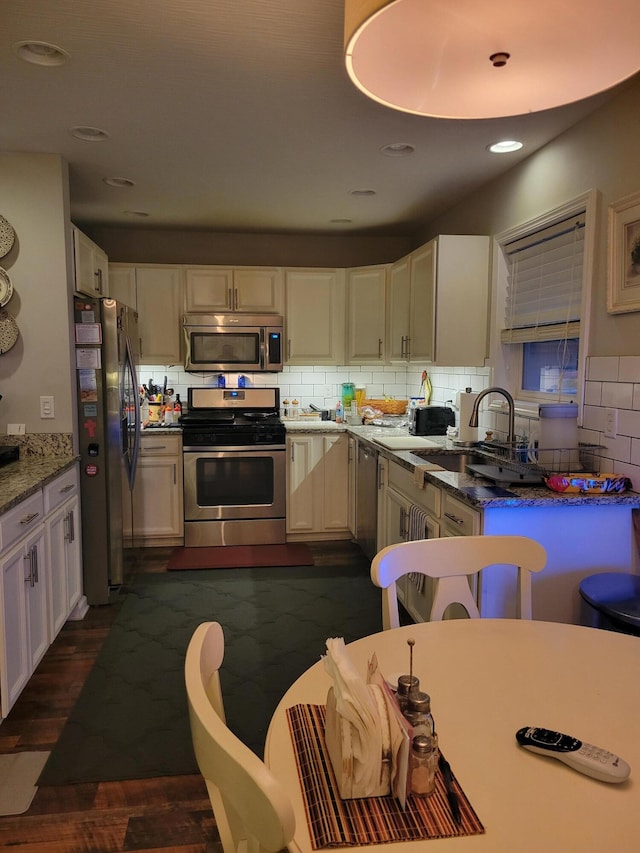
(424, 762)
(407, 684)
(418, 712)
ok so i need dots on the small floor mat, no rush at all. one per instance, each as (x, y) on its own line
(240, 556)
(18, 776)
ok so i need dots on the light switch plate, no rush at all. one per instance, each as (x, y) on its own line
(15, 429)
(47, 409)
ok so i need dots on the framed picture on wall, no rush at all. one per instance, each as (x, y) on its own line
(623, 291)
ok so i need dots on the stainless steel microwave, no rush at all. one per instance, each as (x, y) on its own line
(233, 342)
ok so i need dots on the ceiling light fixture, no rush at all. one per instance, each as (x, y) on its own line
(505, 146)
(41, 53)
(362, 192)
(397, 149)
(140, 213)
(119, 183)
(89, 134)
(341, 221)
(485, 60)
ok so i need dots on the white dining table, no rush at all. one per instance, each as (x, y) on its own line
(487, 678)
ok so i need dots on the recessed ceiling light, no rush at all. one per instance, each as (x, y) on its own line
(341, 221)
(89, 134)
(505, 146)
(140, 213)
(397, 149)
(41, 53)
(118, 182)
(362, 192)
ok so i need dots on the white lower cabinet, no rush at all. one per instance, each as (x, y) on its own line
(444, 516)
(317, 486)
(24, 637)
(41, 571)
(158, 517)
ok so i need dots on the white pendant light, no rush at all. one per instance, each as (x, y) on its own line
(488, 58)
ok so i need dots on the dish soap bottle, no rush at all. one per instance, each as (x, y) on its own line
(177, 409)
(339, 412)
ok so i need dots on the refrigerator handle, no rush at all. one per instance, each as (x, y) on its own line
(131, 367)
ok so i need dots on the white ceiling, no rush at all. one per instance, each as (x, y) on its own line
(236, 115)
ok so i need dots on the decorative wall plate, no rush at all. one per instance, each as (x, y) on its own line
(6, 288)
(7, 236)
(8, 331)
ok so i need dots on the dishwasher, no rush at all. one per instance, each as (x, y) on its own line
(367, 499)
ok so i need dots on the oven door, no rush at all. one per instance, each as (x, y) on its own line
(242, 483)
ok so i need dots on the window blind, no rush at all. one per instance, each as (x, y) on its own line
(544, 284)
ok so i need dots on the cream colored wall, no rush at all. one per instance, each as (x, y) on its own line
(162, 246)
(600, 152)
(34, 199)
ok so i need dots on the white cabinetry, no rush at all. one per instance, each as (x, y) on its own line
(252, 290)
(24, 631)
(155, 291)
(438, 302)
(91, 266)
(366, 312)
(317, 486)
(62, 508)
(314, 316)
(157, 494)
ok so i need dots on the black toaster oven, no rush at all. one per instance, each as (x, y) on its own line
(430, 420)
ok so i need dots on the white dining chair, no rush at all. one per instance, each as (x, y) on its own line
(450, 561)
(252, 810)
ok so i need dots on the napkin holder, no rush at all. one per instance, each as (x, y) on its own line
(340, 738)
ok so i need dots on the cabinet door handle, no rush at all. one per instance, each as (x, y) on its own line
(29, 518)
(401, 528)
(70, 534)
(230, 299)
(67, 488)
(235, 298)
(175, 474)
(154, 448)
(29, 577)
(454, 518)
(407, 353)
(98, 275)
(379, 347)
(34, 564)
(403, 346)
(288, 348)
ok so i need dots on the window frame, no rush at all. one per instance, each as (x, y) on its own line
(507, 358)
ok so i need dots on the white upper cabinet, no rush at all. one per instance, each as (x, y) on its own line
(250, 290)
(155, 292)
(91, 266)
(438, 303)
(314, 316)
(366, 311)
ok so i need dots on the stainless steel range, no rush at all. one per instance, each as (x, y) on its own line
(234, 447)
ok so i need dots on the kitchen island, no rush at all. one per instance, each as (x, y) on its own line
(583, 534)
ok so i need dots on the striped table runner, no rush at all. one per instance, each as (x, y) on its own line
(334, 822)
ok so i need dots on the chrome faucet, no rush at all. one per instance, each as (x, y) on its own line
(473, 420)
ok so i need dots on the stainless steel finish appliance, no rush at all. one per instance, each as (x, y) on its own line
(367, 499)
(107, 352)
(234, 458)
(233, 342)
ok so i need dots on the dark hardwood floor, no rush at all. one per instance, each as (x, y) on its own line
(170, 814)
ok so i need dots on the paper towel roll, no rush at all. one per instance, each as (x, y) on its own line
(466, 399)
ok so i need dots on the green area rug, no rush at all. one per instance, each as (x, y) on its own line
(130, 720)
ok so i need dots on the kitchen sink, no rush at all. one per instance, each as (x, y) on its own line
(451, 461)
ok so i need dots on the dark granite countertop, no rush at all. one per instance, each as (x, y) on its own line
(23, 478)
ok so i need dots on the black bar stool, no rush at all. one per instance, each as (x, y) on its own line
(611, 600)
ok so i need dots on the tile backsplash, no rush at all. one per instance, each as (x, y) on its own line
(613, 382)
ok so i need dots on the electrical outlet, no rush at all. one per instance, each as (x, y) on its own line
(47, 408)
(611, 423)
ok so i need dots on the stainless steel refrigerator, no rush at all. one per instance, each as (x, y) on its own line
(107, 355)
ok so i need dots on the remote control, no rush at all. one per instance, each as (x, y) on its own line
(583, 757)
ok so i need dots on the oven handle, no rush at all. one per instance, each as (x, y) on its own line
(223, 448)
